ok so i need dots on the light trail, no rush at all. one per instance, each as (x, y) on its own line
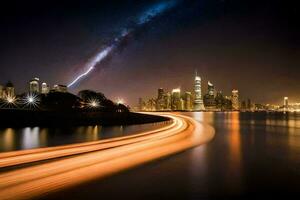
(91, 65)
(144, 18)
(100, 161)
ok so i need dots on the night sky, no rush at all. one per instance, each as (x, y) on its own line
(249, 45)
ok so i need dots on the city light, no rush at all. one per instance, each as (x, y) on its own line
(93, 103)
(11, 100)
(120, 101)
(31, 100)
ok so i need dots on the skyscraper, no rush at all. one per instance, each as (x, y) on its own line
(45, 88)
(235, 100)
(160, 103)
(188, 101)
(168, 101)
(34, 86)
(176, 103)
(210, 89)
(198, 101)
(9, 89)
(209, 98)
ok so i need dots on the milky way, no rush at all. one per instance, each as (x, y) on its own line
(147, 16)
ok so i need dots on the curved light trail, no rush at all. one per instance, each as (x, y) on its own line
(94, 160)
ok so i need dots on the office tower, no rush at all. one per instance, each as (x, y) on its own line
(9, 90)
(45, 88)
(210, 89)
(188, 101)
(181, 104)
(227, 103)
(34, 86)
(160, 103)
(219, 100)
(209, 98)
(235, 100)
(151, 105)
(176, 99)
(198, 101)
(168, 101)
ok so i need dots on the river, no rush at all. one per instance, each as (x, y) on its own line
(252, 155)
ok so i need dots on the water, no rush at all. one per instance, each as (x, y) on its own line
(33, 137)
(252, 155)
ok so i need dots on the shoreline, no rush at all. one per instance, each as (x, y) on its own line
(29, 118)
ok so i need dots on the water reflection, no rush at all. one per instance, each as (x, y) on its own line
(7, 141)
(255, 154)
(31, 138)
(34, 137)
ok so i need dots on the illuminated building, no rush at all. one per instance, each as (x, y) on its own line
(235, 100)
(45, 88)
(210, 89)
(286, 103)
(294, 107)
(160, 103)
(198, 102)
(227, 103)
(151, 105)
(223, 103)
(188, 101)
(34, 85)
(60, 88)
(181, 104)
(209, 98)
(219, 100)
(176, 103)
(168, 101)
(9, 90)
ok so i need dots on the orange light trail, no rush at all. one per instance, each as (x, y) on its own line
(94, 160)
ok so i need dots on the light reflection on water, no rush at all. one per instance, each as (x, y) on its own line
(247, 149)
(34, 137)
(255, 154)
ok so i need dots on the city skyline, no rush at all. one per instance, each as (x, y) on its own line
(223, 39)
(152, 99)
(201, 97)
(212, 100)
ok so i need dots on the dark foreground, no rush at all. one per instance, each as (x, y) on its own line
(253, 155)
(27, 118)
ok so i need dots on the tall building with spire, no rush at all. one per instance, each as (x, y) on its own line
(198, 101)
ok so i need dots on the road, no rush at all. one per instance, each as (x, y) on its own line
(25, 176)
